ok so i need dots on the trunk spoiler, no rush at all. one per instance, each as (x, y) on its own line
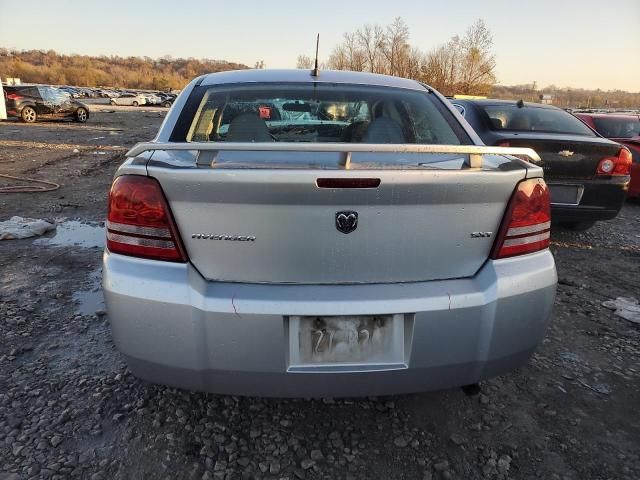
(474, 152)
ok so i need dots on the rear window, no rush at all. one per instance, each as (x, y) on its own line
(25, 91)
(617, 127)
(321, 113)
(533, 119)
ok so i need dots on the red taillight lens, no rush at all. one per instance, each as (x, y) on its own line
(526, 225)
(14, 96)
(139, 222)
(504, 143)
(616, 166)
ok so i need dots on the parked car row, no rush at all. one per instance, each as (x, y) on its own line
(164, 99)
(141, 98)
(587, 174)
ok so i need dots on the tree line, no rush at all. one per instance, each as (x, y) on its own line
(463, 65)
(570, 97)
(38, 66)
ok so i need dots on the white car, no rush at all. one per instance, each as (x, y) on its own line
(152, 99)
(129, 99)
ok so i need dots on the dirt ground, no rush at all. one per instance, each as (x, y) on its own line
(70, 408)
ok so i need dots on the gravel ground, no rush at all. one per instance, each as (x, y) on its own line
(69, 408)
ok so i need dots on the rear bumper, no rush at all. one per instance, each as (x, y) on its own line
(176, 328)
(602, 199)
(634, 184)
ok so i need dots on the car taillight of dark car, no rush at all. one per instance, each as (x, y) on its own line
(616, 166)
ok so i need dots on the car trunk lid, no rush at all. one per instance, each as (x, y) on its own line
(567, 156)
(246, 220)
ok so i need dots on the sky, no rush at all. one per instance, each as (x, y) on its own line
(576, 43)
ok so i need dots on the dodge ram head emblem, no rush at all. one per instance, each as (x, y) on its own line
(346, 222)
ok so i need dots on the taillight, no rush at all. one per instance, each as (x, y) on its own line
(14, 96)
(526, 225)
(139, 222)
(504, 143)
(616, 166)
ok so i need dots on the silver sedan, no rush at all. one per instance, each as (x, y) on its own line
(345, 234)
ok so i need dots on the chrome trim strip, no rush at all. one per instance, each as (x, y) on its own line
(512, 232)
(141, 242)
(149, 231)
(512, 242)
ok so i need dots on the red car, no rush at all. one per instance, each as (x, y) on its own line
(623, 129)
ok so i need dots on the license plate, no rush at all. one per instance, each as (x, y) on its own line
(346, 340)
(566, 194)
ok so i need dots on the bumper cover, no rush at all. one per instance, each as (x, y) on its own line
(634, 184)
(176, 328)
(602, 199)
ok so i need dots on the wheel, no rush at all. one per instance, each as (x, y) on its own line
(29, 115)
(112, 102)
(135, 104)
(578, 226)
(166, 104)
(81, 115)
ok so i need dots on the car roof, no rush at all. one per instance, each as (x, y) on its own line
(498, 102)
(300, 75)
(628, 116)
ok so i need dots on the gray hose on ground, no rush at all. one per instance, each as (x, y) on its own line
(43, 186)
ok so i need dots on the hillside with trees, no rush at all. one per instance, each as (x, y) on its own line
(38, 66)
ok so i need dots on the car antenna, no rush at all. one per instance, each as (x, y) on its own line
(316, 72)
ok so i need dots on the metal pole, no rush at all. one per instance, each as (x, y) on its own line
(3, 107)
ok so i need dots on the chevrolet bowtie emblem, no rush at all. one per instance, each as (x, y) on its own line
(565, 153)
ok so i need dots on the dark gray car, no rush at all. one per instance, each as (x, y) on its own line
(588, 175)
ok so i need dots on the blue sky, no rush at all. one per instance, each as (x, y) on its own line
(579, 43)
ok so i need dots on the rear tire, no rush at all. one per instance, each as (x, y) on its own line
(28, 115)
(166, 104)
(81, 115)
(578, 226)
(135, 104)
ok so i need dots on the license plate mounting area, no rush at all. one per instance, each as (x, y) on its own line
(344, 343)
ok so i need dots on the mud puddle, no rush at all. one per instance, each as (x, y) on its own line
(73, 233)
(90, 300)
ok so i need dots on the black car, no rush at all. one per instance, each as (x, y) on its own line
(30, 102)
(166, 99)
(588, 175)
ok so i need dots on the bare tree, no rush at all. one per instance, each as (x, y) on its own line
(304, 62)
(372, 41)
(461, 65)
(442, 66)
(338, 58)
(396, 46)
(355, 55)
(478, 61)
